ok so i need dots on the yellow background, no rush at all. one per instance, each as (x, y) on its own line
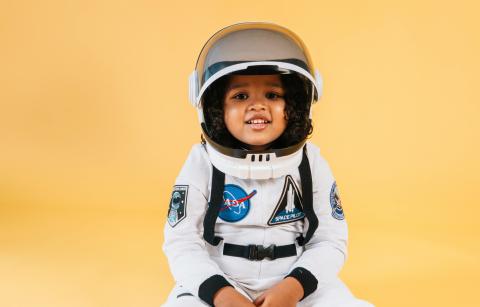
(95, 124)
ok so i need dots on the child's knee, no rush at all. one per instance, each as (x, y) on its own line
(180, 297)
(182, 301)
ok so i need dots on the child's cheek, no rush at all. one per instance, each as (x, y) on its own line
(280, 111)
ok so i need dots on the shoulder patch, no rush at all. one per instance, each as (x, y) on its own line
(335, 203)
(177, 210)
(290, 206)
(236, 203)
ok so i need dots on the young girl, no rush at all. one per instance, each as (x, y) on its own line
(255, 218)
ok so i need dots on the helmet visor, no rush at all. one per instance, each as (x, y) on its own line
(252, 48)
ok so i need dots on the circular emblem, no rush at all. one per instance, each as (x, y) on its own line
(236, 203)
(335, 203)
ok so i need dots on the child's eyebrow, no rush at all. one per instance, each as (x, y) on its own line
(237, 85)
(274, 84)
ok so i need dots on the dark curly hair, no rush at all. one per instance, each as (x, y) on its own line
(297, 108)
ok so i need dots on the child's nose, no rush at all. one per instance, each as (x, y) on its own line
(258, 104)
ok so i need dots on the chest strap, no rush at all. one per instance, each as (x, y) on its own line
(216, 201)
(259, 252)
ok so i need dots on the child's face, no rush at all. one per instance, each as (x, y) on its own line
(254, 109)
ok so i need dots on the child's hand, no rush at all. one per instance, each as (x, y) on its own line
(229, 297)
(286, 293)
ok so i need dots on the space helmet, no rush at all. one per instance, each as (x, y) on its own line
(252, 48)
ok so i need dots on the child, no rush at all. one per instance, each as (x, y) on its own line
(255, 218)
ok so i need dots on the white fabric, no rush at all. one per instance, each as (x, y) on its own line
(192, 260)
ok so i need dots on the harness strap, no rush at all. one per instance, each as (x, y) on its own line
(307, 195)
(216, 200)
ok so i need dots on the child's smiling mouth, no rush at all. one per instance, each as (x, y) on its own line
(258, 123)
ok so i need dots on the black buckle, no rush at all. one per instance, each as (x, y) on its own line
(259, 252)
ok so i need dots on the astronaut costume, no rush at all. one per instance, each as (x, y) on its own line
(248, 219)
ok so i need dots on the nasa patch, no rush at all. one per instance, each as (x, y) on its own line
(290, 206)
(178, 205)
(335, 203)
(236, 203)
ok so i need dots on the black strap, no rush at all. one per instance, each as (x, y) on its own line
(216, 200)
(259, 252)
(307, 195)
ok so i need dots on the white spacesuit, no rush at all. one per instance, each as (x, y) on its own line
(248, 219)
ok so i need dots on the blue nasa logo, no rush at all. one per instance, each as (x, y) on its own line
(335, 203)
(236, 203)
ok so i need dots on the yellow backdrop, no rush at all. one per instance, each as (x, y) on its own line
(95, 124)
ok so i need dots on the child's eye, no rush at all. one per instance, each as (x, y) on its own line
(240, 96)
(273, 95)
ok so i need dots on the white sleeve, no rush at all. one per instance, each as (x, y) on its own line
(326, 251)
(184, 245)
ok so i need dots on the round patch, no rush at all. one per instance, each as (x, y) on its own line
(335, 203)
(236, 203)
